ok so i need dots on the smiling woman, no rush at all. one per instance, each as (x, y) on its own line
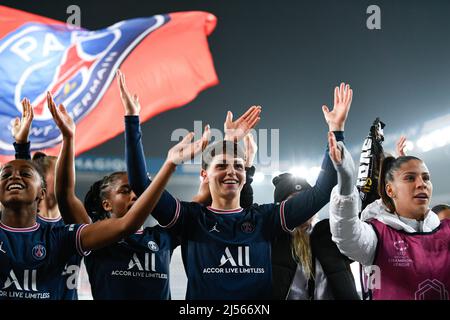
(30, 249)
(223, 170)
(21, 181)
(137, 267)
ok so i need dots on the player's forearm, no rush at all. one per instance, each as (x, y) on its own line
(305, 204)
(134, 156)
(108, 231)
(22, 150)
(68, 203)
(327, 178)
(150, 198)
(65, 171)
(354, 238)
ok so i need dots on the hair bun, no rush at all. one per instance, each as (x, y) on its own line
(38, 155)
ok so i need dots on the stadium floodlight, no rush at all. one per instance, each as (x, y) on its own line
(258, 177)
(409, 146)
(309, 174)
(312, 175)
(299, 171)
(434, 139)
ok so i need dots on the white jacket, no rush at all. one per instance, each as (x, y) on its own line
(356, 238)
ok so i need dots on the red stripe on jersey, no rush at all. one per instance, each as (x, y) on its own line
(221, 211)
(283, 218)
(78, 242)
(12, 229)
(176, 215)
(53, 220)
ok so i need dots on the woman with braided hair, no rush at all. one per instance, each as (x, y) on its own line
(137, 267)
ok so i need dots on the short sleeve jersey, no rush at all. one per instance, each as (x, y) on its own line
(33, 259)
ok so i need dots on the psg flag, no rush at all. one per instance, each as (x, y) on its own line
(166, 59)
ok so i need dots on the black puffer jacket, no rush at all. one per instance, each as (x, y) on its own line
(335, 265)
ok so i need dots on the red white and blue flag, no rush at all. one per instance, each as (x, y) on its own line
(166, 59)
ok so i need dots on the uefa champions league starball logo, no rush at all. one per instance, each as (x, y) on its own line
(401, 247)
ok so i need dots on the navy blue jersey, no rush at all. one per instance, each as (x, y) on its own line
(227, 254)
(33, 259)
(134, 268)
(69, 279)
(69, 276)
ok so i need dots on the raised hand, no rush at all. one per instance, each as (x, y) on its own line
(62, 119)
(237, 130)
(130, 103)
(186, 149)
(342, 101)
(401, 146)
(21, 127)
(251, 148)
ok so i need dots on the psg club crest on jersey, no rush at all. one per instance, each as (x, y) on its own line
(247, 227)
(39, 252)
(153, 246)
(76, 66)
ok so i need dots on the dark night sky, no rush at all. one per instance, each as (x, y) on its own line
(288, 55)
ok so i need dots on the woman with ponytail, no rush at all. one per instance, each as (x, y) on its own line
(399, 239)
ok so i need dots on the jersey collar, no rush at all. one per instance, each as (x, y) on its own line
(221, 211)
(49, 219)
(12, 229)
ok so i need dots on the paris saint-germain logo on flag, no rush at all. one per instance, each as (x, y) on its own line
(39, 252)
(76, 65)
